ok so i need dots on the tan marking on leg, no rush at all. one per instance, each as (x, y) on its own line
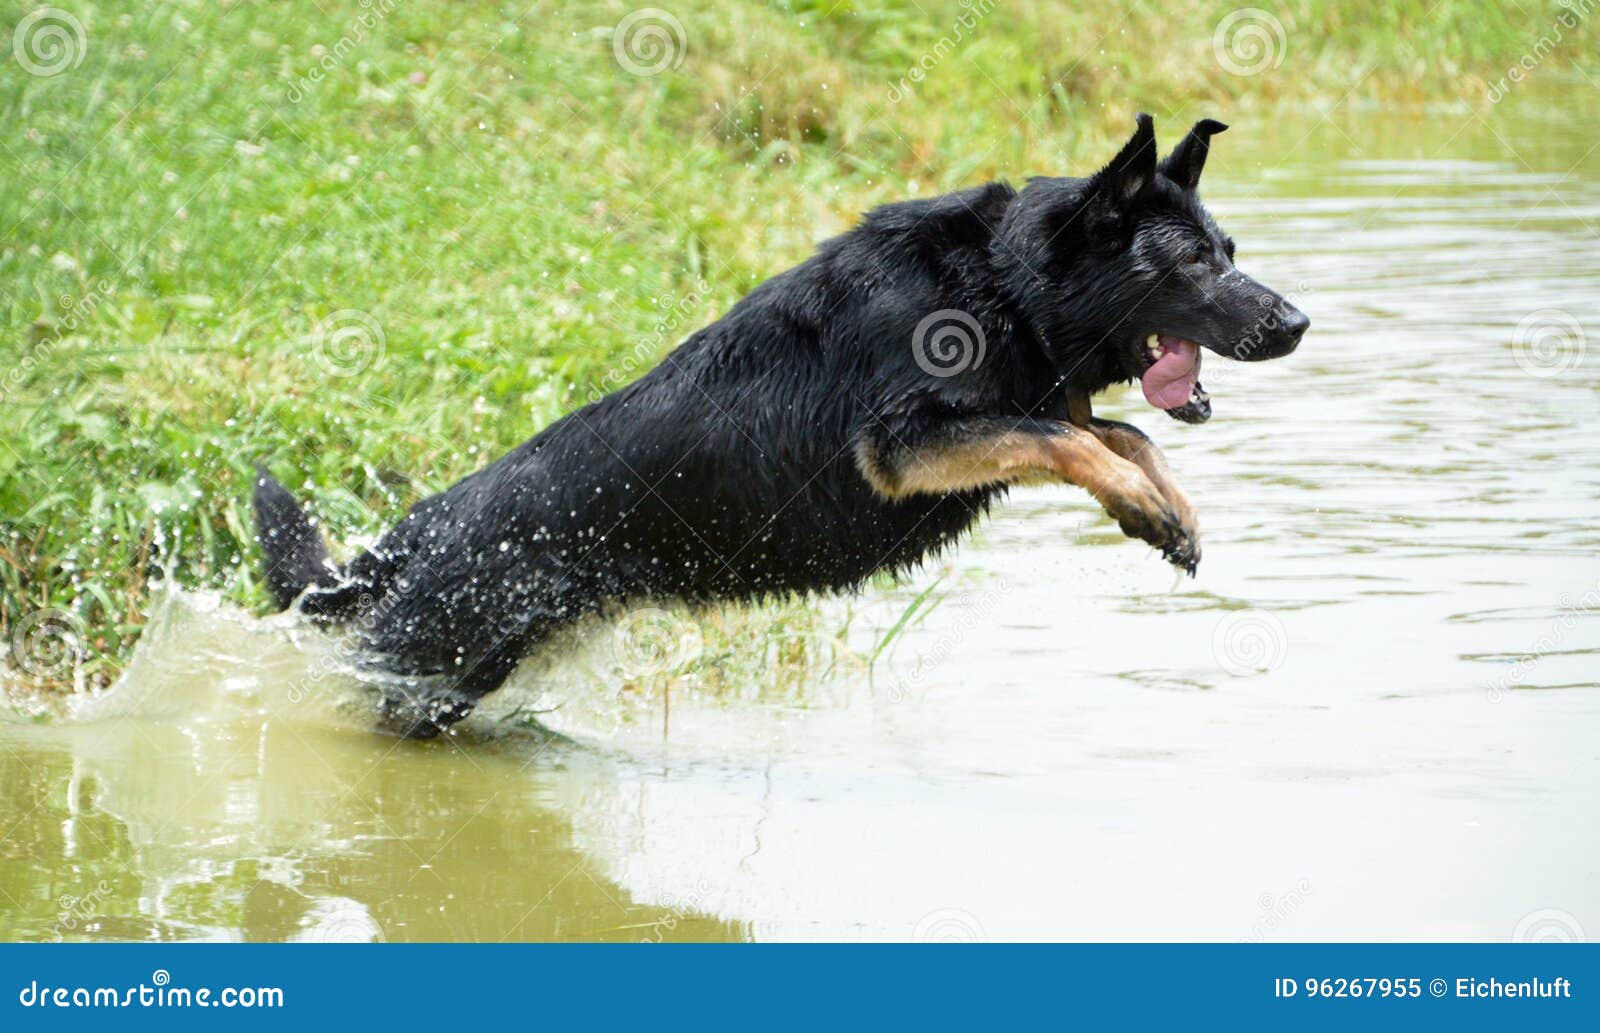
(1071, 455)
(1012, 458)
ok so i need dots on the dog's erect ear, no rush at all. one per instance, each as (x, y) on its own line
(1133, 167)
(1183, 165)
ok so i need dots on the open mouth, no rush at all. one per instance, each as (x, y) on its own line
(1169, 373)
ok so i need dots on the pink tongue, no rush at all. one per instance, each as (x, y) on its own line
(1169, 382)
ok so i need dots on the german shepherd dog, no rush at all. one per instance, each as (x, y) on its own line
(852, 415)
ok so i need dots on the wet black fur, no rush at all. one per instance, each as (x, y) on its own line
(732, 470)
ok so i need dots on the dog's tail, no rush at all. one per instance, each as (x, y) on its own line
(297, 557)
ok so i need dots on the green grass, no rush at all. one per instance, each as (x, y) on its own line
(477, 218)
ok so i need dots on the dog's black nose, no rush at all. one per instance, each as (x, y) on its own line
(1295, 323)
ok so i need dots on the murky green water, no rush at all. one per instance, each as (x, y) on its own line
(1376, 714)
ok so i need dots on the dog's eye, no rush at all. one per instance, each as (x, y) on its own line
(1198, 254)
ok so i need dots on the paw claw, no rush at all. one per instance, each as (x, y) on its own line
(1183, 553)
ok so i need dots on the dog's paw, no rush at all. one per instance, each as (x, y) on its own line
(1143, 512)
(1183, 551)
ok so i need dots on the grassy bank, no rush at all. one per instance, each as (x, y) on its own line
(378, 244)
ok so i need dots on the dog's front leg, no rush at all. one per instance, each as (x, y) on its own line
(1132, 444)
(958, 455)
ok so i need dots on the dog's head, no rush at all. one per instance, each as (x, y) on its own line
(1125, 276)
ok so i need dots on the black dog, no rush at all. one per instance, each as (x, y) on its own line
(851, 415)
